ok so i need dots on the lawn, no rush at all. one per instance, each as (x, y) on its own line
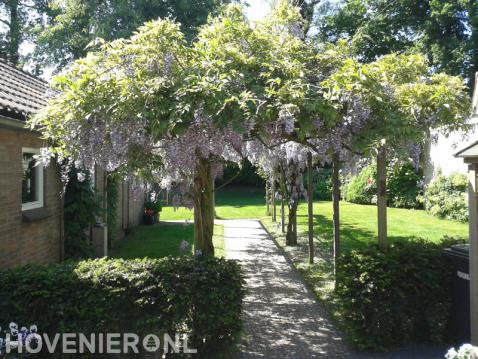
(235, 202)
(161, 240)
(358, 222)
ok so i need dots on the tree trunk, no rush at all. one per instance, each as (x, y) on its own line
(273, 199)
(310, 207)
(203, 208)
(382, 197)
(336, 206)
(14, 32)
(268, 208)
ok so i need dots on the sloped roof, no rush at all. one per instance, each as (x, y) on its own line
(20, 92)
(469, 151)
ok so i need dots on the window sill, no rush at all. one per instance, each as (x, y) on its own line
(36, 214)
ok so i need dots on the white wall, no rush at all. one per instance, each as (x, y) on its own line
(441, 153)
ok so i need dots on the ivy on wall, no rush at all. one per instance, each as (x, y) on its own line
(81, 207)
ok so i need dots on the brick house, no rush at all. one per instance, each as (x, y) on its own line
(30, 206)
(31, 216)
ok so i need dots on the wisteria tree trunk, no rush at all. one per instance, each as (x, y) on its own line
(203, 208)
(291, 235)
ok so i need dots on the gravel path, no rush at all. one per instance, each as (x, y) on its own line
(281, 317)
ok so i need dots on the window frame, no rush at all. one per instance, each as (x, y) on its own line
(39, 183)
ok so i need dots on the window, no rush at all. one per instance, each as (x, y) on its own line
(32, 181)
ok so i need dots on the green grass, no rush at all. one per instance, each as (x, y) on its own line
(161, 240)
(358, 222)
(231, 203)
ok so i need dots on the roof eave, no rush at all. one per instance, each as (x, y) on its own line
(13, 123)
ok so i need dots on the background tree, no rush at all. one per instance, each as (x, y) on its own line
(72, 24)
(447, 31)
(17, 19)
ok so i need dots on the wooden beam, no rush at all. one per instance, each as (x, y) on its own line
(382, 197)
(470, 160)
(268, 208)
(273, 199)
(473, 223)
(336, 206)
(282, 202)
(310, 195)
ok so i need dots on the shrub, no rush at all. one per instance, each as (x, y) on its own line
(362, 187)
(403, 187)
(112, 194)
(445, 196)
(81, 207)
(396, 297)
(201, 297)
(245, 176)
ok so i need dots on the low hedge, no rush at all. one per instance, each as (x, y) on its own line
(201, 297)
(394, 298)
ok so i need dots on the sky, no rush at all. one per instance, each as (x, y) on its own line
(258, 9)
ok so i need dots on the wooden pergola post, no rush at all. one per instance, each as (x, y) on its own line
(273, 199)
(268, 208)
(473, 237)
(336, 206)
(310, 207)
(282, 202)
(382, 197)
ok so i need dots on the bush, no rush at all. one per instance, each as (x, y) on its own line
(81, 207)
(402, 186)
(201, 297)
(445, 197)
(362, 187)
(247, 175)
(112, 194)
(397, 297)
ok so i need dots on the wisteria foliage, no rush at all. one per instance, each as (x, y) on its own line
(152, 105)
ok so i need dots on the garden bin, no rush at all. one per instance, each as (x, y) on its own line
(460, 311)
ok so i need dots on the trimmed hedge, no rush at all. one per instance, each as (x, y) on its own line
(201, 297)
(393, 298)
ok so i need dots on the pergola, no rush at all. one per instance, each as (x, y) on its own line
(470, 156)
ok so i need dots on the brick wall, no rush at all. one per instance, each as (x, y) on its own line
(23, 242)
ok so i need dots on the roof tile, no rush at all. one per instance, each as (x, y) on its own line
(20, 91)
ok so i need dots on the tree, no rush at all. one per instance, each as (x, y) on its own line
(17, 17)
(158, 107)
(444, 30)
(392, 105)
(73, 24)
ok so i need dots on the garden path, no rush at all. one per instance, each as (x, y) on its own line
(281, 317)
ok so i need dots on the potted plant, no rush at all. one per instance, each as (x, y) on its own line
(152, 209)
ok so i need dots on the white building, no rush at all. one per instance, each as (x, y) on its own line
(442, 152)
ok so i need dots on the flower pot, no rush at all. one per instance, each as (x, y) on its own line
(148, 219)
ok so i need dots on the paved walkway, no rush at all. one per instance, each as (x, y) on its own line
(281, 317)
